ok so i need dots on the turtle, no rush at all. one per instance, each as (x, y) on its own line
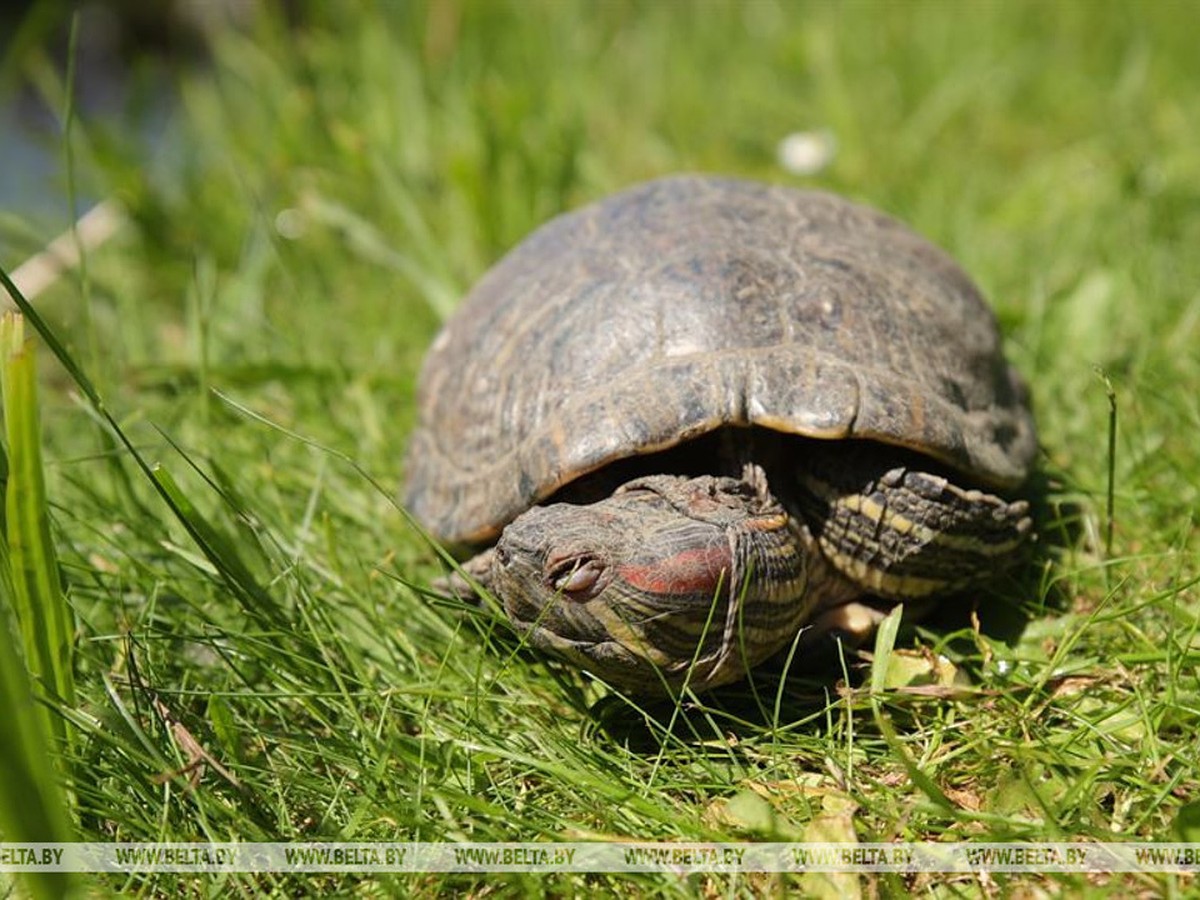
(679, 429)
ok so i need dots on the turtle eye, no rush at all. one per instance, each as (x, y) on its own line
(575, 576)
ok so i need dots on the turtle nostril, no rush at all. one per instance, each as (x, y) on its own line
(502, 556)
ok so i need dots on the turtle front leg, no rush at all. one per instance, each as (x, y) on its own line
(903, 533)
(457, 584)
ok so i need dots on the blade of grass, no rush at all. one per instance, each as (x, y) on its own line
(45, 619)
(885, 642)
(254, 599)
(36, 628)
(1110, 499)
(33, 804)
(85, 283)
(220, 551)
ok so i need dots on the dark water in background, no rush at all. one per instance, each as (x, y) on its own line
(33, 153)
(33, 183)
(127, 53)
(28, 168)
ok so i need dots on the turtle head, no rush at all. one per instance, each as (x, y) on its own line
(669, 581)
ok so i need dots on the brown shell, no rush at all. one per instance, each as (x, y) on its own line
(690, 303)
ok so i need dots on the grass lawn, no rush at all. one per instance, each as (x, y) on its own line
(242, 578)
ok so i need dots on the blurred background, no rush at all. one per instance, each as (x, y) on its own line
(126, 56)
(123, 56)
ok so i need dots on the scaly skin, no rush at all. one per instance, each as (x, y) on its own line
(674, 581)
(671, 580)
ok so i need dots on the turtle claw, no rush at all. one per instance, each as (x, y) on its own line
(464, 581)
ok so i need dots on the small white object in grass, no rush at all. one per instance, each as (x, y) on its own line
(291, 223)
(807, 152)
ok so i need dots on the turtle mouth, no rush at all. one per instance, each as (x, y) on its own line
(638, 668)
(640, 643)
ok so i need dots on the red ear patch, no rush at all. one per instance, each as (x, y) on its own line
(693, 571)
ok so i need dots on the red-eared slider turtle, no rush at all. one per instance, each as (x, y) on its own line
(683, 423)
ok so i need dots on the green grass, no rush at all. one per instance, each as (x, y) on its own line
(240, 571)
(36, 632)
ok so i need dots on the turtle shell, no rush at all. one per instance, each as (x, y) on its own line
(693, 303)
